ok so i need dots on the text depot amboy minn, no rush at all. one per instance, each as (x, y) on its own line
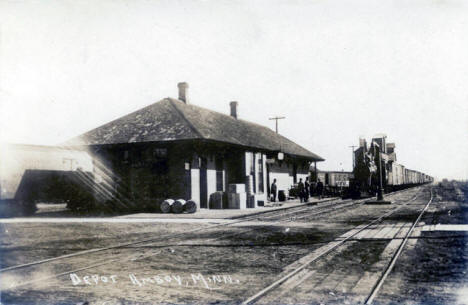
(199, 279)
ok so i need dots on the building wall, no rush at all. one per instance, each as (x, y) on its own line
(195, 179)
(261, 195)
(247, 171)
(283, 172)
(265, 193)
(211, 177)
(255, 157)
(195, 182)
(183, 171)
(144, 174)
(283, 175)
(302, 172)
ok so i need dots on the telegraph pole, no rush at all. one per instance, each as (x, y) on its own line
(276, 119)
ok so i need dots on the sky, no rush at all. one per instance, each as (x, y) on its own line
(337, 70)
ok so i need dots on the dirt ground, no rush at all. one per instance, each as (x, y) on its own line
(435, 271)
(227, 264)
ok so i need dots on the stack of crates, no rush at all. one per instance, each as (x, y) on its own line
(237, 197)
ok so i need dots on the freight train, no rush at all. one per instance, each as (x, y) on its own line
(335, 183)
(376, 167)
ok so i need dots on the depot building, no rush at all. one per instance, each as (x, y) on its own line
(174, 149)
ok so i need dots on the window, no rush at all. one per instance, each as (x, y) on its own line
(160, 152)
(136, 155)
(219, 174)
(69, 163)
(260, 175)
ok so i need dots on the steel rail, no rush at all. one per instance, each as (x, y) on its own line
(167, 236)
(338, 207)
(286, 220)
(396, 255)
(160, 238)
(336, 201)
(139, 256)
(131, 258)
(303, 207)
(278, 282)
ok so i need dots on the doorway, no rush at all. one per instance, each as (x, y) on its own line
(203, 184)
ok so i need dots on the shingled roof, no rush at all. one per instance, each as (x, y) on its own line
(171, 119)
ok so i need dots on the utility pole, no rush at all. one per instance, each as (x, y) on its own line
(352, 151)
(380, 192)
(380, 198)
(276, 119)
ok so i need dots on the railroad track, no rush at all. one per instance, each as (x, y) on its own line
(147, 240)
(339, 205)
(389, 268)
(151, 243)
(302, 269)
(309, 211)
(279, 212)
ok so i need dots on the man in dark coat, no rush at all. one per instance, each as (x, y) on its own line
(300, 188)
(319, 189)
(313, 186)
(306, 189)
(273, 190)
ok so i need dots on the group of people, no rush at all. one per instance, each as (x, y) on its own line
(305, 189)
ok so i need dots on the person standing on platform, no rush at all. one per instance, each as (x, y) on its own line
(300, 188)
(306, 190)
(313, 185)
(319, 189)
(273, 190)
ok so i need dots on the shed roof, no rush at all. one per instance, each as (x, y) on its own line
(171, 119)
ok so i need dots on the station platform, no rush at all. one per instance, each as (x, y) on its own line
(229, 213)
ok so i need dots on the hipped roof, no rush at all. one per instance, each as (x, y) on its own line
(171, 120)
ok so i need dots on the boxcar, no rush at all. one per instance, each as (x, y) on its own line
(35, 173)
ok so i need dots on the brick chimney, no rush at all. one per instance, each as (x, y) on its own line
(183, 92)
(234, 109)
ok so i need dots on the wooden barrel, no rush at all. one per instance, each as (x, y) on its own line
(178, 206)
(166, 205)
(281, 195)
(190, 206)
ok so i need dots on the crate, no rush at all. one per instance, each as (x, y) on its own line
(236, 188)
(217, 200)
(237, 200)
